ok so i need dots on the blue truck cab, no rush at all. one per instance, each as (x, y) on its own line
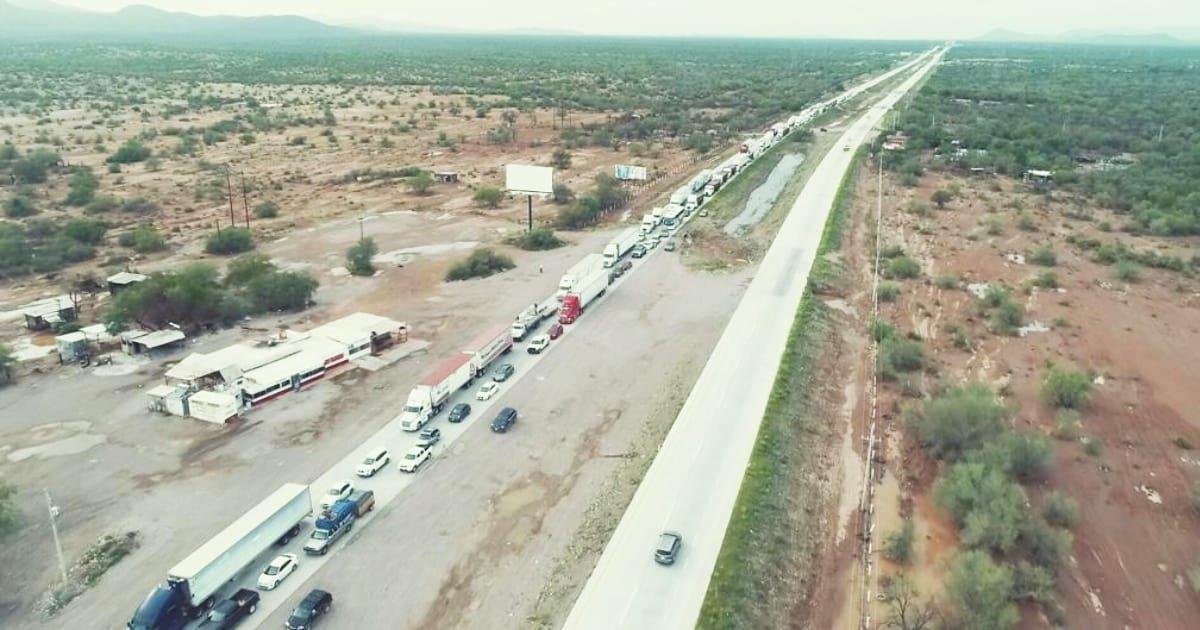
(165, 608)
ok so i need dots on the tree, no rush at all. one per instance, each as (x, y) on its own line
(243, 269)
(1060, 510)
(1022, 456)
(960, 420)
(230, 241)
(143, 239)
(132, 151)
(977, 593)
(20, 205)
(421, 182)
(83, 187)
(1066, 389)
(32, 168)
(563, 194)
(988, 507)
(561, 159)
(903, 268)
(898, 545)
(941, 197)
(905, 611)
(281, 291)
(537, 239)
(10, 513)
(488, 196)
(359, 257)
(480, 264)
(7, 361)
(88, 231)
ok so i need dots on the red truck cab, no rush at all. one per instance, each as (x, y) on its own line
(570, 309)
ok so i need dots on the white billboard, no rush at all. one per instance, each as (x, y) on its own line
(625, 172)
(523, 178)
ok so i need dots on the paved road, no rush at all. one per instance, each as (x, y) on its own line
(693, 483)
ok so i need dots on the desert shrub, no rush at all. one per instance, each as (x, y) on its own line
(421, 182)
(563, 194)
(891, 251)
(961, 419)
(488, 196)
(888, 291)
(83, 187)
(88, 231)
(1060, 510)
(132, 151)
(899, 354)
(941, 197)
(359, 257)
(537, 239)
(1046, 280)
(280, 291)
(1008, 318)
(1022, 456)
(1042, 544)
(1066, 389)
(1127, 271)
(230, 241)
(985, 504)
(102, 203)
(978, 592)
(881, 330)
(20, 205)
(266, 210)
(903, 268)
(1044, 256)
(994, 296)
(140, 205)
(948, 282)
(1026, 223)
(243, 269)
(898, 545)
(143, 239)
(480, 264)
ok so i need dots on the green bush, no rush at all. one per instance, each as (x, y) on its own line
(143, 239)
(1066, 389)
(903, 268)
(280, 291)
(898, 545)
(1066, 424)
(488, 196)
(1022, 456)
(1044, 256)
(899, 354)
(243, 269)
(102, 203)
(32, 168)
(977, 593)
(480, 264)
(891, 251)
(1046, 280)
(538, 239)
(132, 151)
(961, 419)
(88, 231)
(948, 282)
(421, 182)
(83, 187)
(1008, 318)
(140, 205)
(19, 206)
(881, 330)
(1127, 271)
(888, 291)
(1060, 510)
(359, 257)
(266, 210)
(985, 504)
(230, 241)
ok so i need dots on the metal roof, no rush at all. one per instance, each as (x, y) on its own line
(157, 339)
(126, 277)
(313, 354)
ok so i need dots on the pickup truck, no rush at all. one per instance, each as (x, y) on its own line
(228, 613)
(331, 526)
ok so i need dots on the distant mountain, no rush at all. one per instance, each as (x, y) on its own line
(49, 20)
(1114, 38)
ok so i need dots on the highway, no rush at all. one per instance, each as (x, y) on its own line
(693, 483)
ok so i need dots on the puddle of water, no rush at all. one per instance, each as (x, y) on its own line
(66, 446)
(402, 256)
(763, 197)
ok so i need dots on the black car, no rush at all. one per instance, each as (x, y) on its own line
(429, 436)
(230, 612)
(638, 251)
(459, 412)
(503, 371)
(315, 604)
(504, 420)
(668, 547)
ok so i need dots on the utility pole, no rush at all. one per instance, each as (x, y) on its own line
(53, 510)
(530, 198)
(245, 198)
(229, 195)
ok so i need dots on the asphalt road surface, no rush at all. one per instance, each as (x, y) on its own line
(693, 483)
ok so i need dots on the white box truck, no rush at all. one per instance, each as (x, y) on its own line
(488, 346)
(620, 245)
(679, 197)
(430, 395)
(582, 268)
(650, 221)
(192, 585)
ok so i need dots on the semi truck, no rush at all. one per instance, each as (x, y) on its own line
(650, 221)
(673, 217)
(431, 393)
(192, 585)
(679, 197)
(530, 318)
(700, 181)
(620, 246)
(583, 268)
(588, 289)
(487, 347)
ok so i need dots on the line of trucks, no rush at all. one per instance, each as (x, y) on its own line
(192, 585)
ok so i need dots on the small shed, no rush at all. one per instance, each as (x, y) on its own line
(140, 341)
(211, 406)
(445, 177)
(1039, 177)
(168, 399)
(123, 280)
(72, 346)
(44, 314)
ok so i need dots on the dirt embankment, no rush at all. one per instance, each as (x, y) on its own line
(1130, 467)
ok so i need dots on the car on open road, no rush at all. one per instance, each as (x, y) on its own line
(668, 547)
(505, 419)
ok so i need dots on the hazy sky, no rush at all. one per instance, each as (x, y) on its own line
(774, 18)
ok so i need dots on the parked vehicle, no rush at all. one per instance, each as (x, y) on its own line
(700, 181)
(487, 347)
(429, 396)
(333, 523)
(650, 221)
(620, 245)
(364, 501)
(556, 330)
(316, 604)
(670, 246)
(373, 463)
(192, 584)
(639, 251)
(277, 571)
(679, 197)
(583, 294)
(336, 492)
(459, 412)
(504, 420)
(532, 317)
(429, 436)
(503, 372)
(487, 391)
(668, 547)
(413, 459)
(693, 202)
(230, 612)
(674, 216)
(538, 343)
(581, 269)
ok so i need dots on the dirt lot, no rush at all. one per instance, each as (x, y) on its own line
(1135, 541)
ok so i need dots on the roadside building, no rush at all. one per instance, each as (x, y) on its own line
(123, 280)
(445, 177)
(48, 312)
(142, 342)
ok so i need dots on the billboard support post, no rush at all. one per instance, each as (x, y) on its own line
(530, 198)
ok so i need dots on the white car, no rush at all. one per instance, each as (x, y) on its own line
(373, 463)
(487, 391)
(413, 459)
(281, 567)
(538, 343)
(340, 490)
